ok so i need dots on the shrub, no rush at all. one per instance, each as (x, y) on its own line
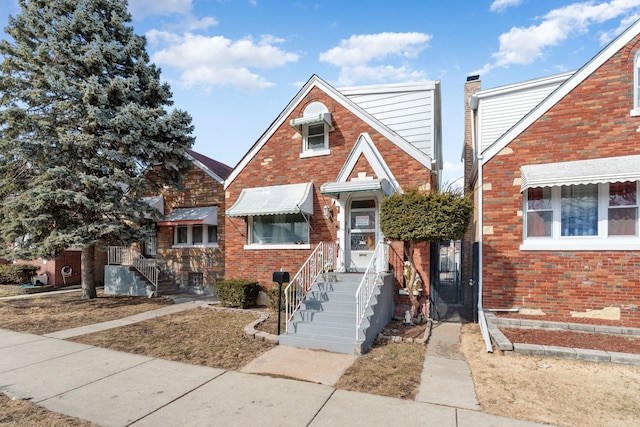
(237, 292)
(17, 273)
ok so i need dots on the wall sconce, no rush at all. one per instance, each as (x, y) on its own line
(326, 210)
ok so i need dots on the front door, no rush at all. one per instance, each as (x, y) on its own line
(362, 233)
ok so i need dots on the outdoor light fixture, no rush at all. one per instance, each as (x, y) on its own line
(326, 210)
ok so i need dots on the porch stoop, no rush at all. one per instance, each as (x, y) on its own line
(326, 319)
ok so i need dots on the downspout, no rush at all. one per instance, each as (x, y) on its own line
(484, 330)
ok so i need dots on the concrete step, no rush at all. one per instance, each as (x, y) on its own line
(323, 329)
(319, 342)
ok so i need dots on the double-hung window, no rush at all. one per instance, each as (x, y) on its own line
(316, 138)
(582, 217)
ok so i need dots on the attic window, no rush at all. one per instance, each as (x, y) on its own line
(314, 127)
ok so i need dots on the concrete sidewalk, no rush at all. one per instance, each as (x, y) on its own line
(113, 388)
(127, 389)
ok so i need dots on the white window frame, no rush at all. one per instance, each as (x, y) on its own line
(601, 241)
(189, 244)
(635, 111)
(258, 246)
(313, 152)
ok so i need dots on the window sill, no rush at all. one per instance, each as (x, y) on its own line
(635, 112)
(315, 153)
(212, 245)
(582, 244)
(285, 246)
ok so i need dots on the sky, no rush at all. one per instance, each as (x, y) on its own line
(234, 65)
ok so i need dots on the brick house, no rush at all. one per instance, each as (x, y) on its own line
(187, 243)
(554, 166)
(320, 172)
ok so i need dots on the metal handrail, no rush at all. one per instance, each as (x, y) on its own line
(322, 260)
(377, 265)
(122, 255)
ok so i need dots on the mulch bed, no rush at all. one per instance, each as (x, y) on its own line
(584, 340)
(573, 339)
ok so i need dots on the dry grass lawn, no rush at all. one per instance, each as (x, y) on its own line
(21, 413)
(389, 369)
(555, 391)
(201, 336)
(51, 312)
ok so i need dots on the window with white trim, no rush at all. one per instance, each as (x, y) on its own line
(581, 213)
(281, 229)
(196, 235)
(636, 85)
(315, 137)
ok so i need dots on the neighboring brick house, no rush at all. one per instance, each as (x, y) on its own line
(554, 165)
(189, 240)
(321, 170)
(187, 243)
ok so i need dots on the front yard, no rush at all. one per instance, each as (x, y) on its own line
(555, 391)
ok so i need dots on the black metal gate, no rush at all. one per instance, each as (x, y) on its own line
(447, 292)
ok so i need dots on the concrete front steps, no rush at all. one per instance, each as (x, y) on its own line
(326, 319)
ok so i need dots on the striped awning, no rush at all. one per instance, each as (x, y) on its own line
(311, 120)
(274, 200)
(334, 189)
(592, 171)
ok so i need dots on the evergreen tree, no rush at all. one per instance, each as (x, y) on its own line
(416, 216)
(82, 118)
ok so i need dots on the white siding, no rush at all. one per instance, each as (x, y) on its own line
(407, 109)
(499, 110)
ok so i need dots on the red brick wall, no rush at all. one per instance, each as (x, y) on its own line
(200, 190)
(592, 121)
(278, 162)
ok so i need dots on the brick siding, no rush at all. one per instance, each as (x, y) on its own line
(592, 121)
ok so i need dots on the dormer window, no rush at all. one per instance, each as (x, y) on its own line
(314, 127)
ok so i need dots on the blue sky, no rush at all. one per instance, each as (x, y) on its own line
(235, 64)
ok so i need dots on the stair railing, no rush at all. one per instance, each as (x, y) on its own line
(122, 255)
(377, 264)
(322, 260)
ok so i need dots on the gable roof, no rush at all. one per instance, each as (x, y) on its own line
(361, 113)
(499, 108)
(215, 169)
(578, 77)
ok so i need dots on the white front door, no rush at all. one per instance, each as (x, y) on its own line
(363, 232)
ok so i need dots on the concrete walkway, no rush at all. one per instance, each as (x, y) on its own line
(133, 390)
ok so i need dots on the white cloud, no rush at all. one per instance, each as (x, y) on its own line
(524, 45)
(142, 8)
(216, 61)
(502, 5)
(360, 57)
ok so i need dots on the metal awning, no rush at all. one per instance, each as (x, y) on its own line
(593, 171)
(205, 215)
(156, 202)
(312, 120)
(274, 200)
(334, 189)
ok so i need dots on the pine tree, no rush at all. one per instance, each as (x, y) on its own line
(82, 118)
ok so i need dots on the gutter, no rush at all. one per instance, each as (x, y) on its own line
(484, 330)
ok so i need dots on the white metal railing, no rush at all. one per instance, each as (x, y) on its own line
(122, 255)
(378, 264)
(322, 260)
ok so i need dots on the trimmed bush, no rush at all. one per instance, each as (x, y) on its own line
(237, 292)
(17, 273)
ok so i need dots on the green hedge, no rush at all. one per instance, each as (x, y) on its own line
(17, 273)
(237, 292)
